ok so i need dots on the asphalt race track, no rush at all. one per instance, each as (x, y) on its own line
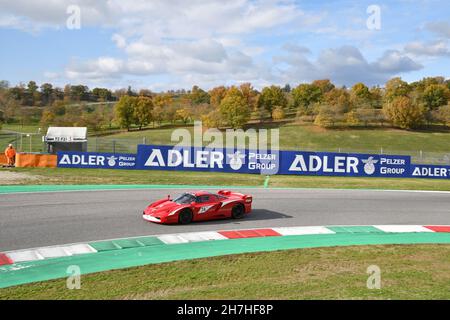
(40, 219)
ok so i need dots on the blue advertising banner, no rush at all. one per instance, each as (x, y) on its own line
(282, 162)
(269, 162)
(96, 160)
(344, 164)
(430, 171)
(206, 159)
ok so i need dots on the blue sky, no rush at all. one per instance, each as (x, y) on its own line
(176, 44)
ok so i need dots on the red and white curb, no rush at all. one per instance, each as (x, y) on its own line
(17, 256)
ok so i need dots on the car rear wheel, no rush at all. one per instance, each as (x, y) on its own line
(185, 216)
(238, 211)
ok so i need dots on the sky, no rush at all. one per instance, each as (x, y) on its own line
(174, 44)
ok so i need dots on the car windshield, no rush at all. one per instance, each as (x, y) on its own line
(185, 198)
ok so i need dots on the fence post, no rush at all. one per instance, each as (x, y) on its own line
(114, 146)
(381, 150)
(144, 140)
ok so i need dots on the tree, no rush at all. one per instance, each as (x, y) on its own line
(124, 111)
(234, 108)
(213, 119)
(143, 107)
(339, 99)
(404, 113)
(324, 85)
(435, 96)
(184, 114)
(216, 95)
(278, 113)
(396, 87)
(101, 94)
(442, 115)
(162, 100)
(304, 96)
(198, 96)
(360, 95)
(47, 93)
(47, 118)
(326, 117)
(158, 114)
(250, 95)
(272, 97)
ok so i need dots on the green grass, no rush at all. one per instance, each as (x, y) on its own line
(109, 176)
(407, 272)
(307, 137)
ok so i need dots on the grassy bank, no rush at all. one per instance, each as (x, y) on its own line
(407, 272)
(28, 176)
(309, 137)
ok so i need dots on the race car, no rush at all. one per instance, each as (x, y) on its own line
(199, 206)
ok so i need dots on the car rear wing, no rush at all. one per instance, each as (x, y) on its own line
(228, 193)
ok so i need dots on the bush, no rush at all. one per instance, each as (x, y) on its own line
(404, 113)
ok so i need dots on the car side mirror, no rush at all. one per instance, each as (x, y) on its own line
(193, 202)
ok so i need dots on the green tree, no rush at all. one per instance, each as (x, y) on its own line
(272, 97)
(304, 96)
(435, 96)
(143, 107)
(124, 111)
(404, 113)
(46, 93)
(198, 96)
(234, 108)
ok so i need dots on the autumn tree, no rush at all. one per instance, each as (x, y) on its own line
(47, 118)
(184, 114)
(216, 95)
(234, 108)
(143, 107)
(278, 113)
(324, 85)
(124, 111)
(250, 95)
(404, 113)
(395, 88)
(213, 119)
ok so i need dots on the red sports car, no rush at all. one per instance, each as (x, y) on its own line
(199, 206)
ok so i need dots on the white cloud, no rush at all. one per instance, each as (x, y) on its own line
(433, 48)
(212, 42)
(344, 66)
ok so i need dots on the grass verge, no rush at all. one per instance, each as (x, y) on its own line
(105, 176)
(407, 272)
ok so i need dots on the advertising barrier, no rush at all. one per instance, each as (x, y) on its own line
(96, 160)
(266, 162)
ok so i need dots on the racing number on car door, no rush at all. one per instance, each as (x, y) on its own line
(207, 206)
